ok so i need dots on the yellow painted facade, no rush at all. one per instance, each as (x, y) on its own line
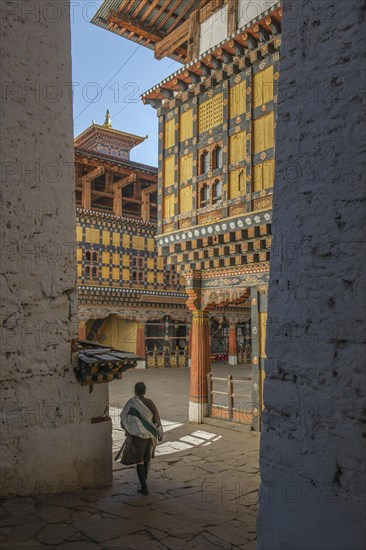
(169, 171)
(169, 134)
(185, 199)
(118, 258)
(263, 87)
(169, 206)
(186, 125)
(237, 182)
(249, 160)
(185, 168)
(237, 147)
(237, 100)
(263, 133)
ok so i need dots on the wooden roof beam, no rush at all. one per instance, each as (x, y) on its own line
(100, 171)
(149, 9)
(196, 78)
(160, 11)
(215, 62)
(170, 43)
(123, 182)
(131, 199)
(205, 69)
(151, 189)
(135, 26)
(101, 194)
(182, 86)
(155, 103)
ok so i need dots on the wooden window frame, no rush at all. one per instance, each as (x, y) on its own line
(215, 164)
(210, 149)
(212, 200)
(91, 264)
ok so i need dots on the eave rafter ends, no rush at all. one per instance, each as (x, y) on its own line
(261, 30)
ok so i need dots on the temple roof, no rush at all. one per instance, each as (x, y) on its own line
(105, 139)
(109, 159)
(146, 22)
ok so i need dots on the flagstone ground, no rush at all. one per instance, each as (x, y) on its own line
(203, 489)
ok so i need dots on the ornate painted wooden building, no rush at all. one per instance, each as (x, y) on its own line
(129, 298)
(216, 158)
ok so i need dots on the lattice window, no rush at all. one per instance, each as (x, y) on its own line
(211, 113)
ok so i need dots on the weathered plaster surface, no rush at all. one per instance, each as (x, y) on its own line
(48, 439)
(313, 439)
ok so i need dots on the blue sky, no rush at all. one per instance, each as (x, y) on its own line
(101, 83)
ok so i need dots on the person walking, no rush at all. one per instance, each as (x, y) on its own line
(141, 421)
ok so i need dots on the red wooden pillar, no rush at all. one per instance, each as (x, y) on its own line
(200, 366)
(189, 327)
(233, 351)
(140, 345)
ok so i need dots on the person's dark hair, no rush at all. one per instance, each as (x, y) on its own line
(140, 388)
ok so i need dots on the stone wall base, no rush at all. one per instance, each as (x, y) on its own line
(197, 412)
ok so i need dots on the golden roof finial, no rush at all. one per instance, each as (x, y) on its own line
(108, 121)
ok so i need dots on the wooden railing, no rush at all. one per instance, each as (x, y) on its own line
(230, 411)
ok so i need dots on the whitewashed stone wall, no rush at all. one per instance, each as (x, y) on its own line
(313, 435)
(49, 442)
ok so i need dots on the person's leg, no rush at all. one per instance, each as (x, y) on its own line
(140, 468)
(147, 458)
(146, 467)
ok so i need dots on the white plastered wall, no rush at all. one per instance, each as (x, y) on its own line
(55, 434)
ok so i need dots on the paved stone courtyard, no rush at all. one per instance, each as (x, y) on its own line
(203, 488)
